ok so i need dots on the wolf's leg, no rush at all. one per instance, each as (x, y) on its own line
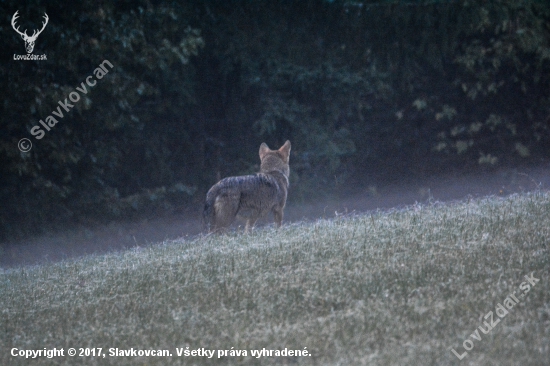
(225, 210)
(250, 222)
(278, 216)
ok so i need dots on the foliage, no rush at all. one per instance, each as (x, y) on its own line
(504, 69)
(367, 92)
(114, 143)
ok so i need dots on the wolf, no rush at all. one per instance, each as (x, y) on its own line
(250, 197)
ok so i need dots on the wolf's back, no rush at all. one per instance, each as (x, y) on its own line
(230, 196)
(223, 201)
(251, 196)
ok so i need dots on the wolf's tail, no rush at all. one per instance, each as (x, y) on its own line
(208, 212)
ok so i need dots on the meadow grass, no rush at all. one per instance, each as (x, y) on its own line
(399, 287)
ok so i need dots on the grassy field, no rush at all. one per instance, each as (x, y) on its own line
(402, 287)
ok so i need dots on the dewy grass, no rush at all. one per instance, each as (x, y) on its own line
(402, 287)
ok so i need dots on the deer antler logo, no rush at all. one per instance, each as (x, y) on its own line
(29, 41)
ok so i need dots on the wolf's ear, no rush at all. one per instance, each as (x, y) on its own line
(285, 150)
(264, 149)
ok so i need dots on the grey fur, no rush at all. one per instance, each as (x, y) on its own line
(251, 196)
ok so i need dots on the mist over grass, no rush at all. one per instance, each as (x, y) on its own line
(383, 288)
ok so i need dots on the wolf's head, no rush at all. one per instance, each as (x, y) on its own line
(275, 160)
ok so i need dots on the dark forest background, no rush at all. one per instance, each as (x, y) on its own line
(369, 93)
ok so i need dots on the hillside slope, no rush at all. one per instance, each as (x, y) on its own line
(402, 287)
